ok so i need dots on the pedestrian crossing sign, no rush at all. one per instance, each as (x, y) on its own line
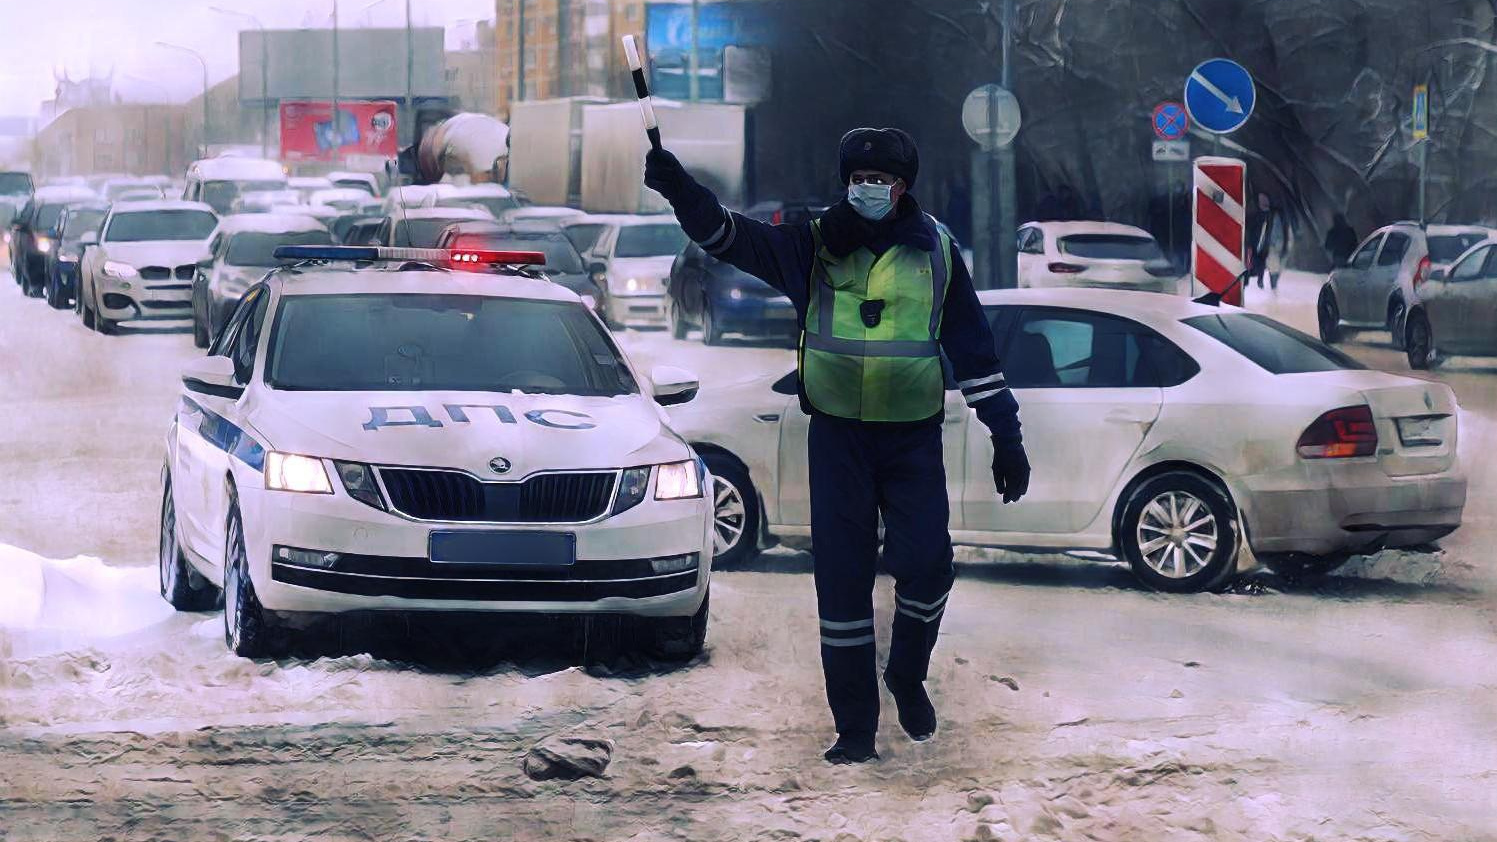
(1421, 112)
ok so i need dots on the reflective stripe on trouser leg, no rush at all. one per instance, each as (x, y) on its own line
(844, 543)
(917, 547)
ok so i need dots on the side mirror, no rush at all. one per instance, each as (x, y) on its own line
(1437, 275)
(89, 238)
(673, 385)
(212, 376)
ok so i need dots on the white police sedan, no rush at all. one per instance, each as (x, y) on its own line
(376, 429)
(1165, 432)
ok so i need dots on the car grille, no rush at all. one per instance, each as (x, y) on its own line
(186, 273)
(160, 273)
(456, 496)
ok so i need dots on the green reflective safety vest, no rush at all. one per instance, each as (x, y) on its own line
(890, 372)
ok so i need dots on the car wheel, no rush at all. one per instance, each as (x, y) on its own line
(87, 312)
(1419, 344)
(678, 326)
(54, 292)
(1179, 533)
(735, 512)
(678, 638)
(200, 338)
(1328, 316)
(1396, 315)
(247, 631)
(181, 586)
(711, 335)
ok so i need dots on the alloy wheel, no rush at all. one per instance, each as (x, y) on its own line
(1177, 534)
(729, 516)
(168, 560)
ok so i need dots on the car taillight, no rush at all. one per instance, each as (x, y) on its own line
(777, 217)
(1421, 272)
(1066, 268)
(1340, 434)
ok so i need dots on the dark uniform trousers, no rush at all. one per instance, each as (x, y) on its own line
(860, 470)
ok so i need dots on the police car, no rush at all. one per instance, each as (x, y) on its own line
(375, 428)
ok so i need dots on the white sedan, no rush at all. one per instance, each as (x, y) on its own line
(392, 435)
(1093, 254)
(1162, 431)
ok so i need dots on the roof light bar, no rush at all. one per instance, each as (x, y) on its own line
(442, 257)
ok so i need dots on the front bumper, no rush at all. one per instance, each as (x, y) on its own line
(1361, 509)
(636, 310)
(133, 298)
(384, 562)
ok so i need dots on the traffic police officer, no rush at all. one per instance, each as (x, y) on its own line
(880, 292)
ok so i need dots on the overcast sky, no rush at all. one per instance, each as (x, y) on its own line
(38, 36)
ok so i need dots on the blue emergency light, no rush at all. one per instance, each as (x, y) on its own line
(456, 258)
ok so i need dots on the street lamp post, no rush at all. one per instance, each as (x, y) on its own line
(410, 64)
(264, 76)
(195, 54)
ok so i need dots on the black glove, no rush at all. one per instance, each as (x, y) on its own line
(1010, 469)
(664, 174)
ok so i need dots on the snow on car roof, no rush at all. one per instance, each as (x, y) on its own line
(441, 213)
(338, 194)
(64, 193)
(1134, 304)
(270, 223)
(1062, 229)
(237, 169)
(309, 181)
(160, 205)
(1457, 230)
(470, 190)
(622, 219)
(535, 211)
(344, 279)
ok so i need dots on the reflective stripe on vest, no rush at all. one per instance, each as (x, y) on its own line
(888, 379)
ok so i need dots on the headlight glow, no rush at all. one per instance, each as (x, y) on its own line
(677, 481)
(116, 269)
(632, 285)
(736, 294)
(291, 472)
(43, 244)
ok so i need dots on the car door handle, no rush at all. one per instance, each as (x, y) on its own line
(767, 417)
(954, 418)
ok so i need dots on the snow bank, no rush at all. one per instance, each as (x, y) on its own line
(75, 600)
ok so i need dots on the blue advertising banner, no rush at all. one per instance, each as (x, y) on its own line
(719, 25)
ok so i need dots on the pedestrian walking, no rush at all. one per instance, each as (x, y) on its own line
(1269, 241)
(880, 293)
(1340, 241)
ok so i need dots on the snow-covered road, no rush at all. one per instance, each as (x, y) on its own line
(1074, 704)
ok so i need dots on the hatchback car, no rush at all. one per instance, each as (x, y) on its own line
(391, 435)
(241, 252)
(1093, 254)
(1457, 310)
(1164, 432)
(144, 262)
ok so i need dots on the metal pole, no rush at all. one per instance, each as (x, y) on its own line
(410, 74)
(204, 63)
(693, 61)
(1007, 250)
(264, 76)
(520, 72)
(1423, 179)
(337, 123)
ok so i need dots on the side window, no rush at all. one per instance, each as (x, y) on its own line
(1363, 258)
(248, 338)
(584, 237)
(1079, 349)
(1471, 267)
(1489, 271)
(1394, 248)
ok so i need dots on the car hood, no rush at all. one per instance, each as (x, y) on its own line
(157, 252)
(466, 430)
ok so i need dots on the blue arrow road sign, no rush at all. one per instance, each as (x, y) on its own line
(1219, 95)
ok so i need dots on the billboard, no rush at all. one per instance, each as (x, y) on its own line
(298, 64)
(365, 128)
(719, 26)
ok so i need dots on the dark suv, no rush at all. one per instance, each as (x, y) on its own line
(34, 233)
(77, 220)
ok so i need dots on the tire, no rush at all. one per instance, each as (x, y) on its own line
(678, 638)
(711, 335)
(1419, 343)
(1396, 317)
(679, 327)
(181, 586)
(247, 627)
(200, 337)
(1328, 316)
(54, 293)
(736, 513)
(87, 314)
(1185, 561)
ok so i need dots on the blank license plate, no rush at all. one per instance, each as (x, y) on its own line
(508, 549)
(1420, 431)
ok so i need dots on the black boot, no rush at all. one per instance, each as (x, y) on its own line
(851, 748)
(917, 716)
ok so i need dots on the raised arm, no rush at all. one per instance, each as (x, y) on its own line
(780, 255)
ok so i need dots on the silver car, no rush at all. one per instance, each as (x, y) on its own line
(1457, 310)
(144, 263)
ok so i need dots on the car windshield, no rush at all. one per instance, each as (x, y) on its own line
(139, 226)
(80, 222)
(46, 217)
(439, 342)
(493, 204)
(650, 240)
(255, 248)
(354, 183)
(14, 183)
(421, 233)
(1446, 248)
(560, 255)
(1110, 247)
(1275, 347)
(221, 194)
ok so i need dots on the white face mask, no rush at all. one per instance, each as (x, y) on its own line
(871, 201)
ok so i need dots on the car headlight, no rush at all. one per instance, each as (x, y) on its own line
(43, 245)
(358, 481)
(291, 472)
(632, 285)
(116, 269)
(678, 481)
(633, 483)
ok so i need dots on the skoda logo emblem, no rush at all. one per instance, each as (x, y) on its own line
(500, 465)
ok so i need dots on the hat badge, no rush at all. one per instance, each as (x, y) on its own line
(867, 145)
